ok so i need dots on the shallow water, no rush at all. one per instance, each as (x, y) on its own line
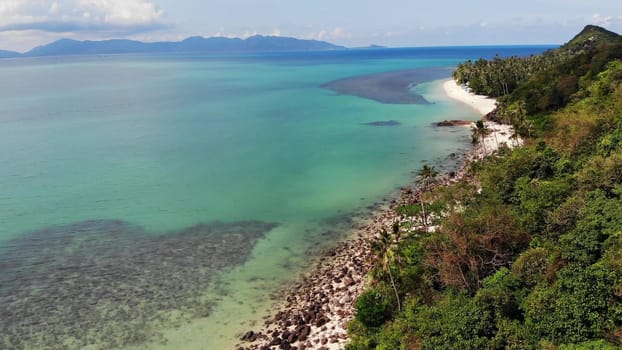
(158, 202)
(107, 282)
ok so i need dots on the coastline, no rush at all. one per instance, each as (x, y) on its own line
(482, 104)
(318, 306)
(499, 134)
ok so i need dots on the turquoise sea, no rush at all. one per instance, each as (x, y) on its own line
(156, 202)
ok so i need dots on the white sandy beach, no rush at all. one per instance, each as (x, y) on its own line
(482, 104)
(500, 133)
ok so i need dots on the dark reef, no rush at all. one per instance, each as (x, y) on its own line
(108, 283)
(383, 123)
(391, 87)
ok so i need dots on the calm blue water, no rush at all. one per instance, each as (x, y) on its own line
(131, 187)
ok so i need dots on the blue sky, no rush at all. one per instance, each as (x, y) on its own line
(27, 23)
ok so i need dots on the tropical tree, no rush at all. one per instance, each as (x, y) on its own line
(383, 249)
(425, 177)
(479, 133)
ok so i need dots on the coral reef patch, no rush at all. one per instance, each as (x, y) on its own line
(109, 284)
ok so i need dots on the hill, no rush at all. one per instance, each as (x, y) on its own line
(589, 38)
(526, 251)
(547, 90)
(256, 43)
(9, 54)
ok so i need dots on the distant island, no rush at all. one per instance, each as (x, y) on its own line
(8, 54)
(371, 47)
(196, 44)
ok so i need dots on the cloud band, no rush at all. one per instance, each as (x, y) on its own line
(118, 16)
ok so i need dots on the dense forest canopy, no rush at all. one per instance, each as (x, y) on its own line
(501, 76)
(527, 252)
(541, 83)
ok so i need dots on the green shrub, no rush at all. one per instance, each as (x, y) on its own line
(531, 266)
(578, 307)
(373, 307)
(600, 218)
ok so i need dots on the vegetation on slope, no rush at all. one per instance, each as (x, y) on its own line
(501, 76)
(527, 252)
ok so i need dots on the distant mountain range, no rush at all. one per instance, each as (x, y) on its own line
(257, 43)
(5, 54)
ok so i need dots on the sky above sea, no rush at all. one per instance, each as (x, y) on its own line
(25, 24)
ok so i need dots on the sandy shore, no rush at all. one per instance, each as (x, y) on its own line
(500, 134)
(482, 104)
(321, 303)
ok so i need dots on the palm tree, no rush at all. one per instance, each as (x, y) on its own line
(479, 133)
(425, 177)
(514, 137)
(530, 127)
(383, 249)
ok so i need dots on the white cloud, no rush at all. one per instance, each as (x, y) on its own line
(605, 21)
(336, 33)
(54, 8)
(121, 16)
(245, 35)
(24, 40)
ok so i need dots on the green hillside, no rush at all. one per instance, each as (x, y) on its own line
(528, 248)
(502, 76)
(590, 38)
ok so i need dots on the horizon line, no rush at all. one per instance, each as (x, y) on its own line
(340, 47)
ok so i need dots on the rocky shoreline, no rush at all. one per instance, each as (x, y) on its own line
(453, 123)
(319, 306)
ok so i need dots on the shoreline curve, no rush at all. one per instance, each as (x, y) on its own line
(482, 104)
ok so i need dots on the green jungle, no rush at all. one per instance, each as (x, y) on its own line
(525, 251)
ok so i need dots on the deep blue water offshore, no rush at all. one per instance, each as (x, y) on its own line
(157, 201)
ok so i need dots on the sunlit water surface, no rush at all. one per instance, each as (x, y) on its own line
(158, 202)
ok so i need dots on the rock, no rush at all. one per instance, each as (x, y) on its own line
(348, 282)
(249, 336)
(383, 123)
(304, 333)
(275, 341)
(453, 123)
(292, 338)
